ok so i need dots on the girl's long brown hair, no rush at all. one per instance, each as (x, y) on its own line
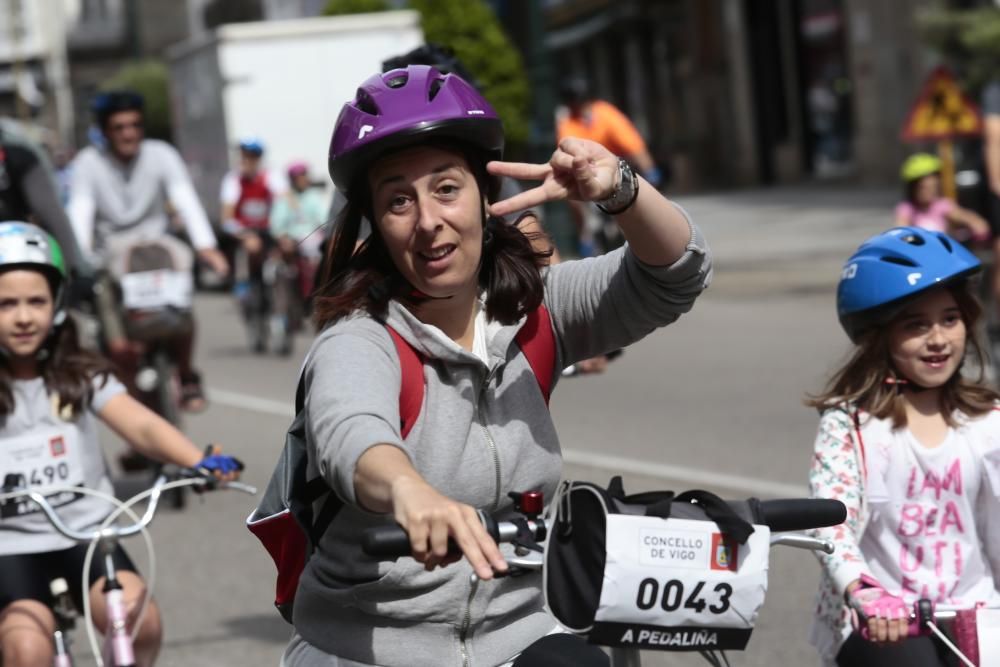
(868, 379)
(365, 278)
(67, 369)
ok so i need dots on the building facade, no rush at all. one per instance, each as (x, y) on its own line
(740, 92)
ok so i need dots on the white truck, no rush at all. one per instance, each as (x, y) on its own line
(281, 81)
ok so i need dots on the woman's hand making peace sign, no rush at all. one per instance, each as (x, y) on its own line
(579, 169)
(657, 231)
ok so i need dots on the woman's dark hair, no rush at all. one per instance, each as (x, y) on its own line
(869, 382)
(365, 278)
(67, 369)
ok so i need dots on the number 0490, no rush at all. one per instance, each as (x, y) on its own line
(49, 475)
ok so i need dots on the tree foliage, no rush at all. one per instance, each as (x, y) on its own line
(338, 7)
(474, 33)
(969, 39)
(150, 79)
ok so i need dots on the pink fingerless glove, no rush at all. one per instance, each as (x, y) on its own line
(870, 600)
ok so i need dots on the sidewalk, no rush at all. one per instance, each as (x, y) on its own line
(786, 240)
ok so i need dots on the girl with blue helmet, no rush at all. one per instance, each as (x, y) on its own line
(911, 446)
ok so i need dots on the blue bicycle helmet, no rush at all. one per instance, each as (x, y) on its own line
(252, 146)
(891, 268)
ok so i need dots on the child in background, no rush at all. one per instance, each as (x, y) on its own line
(926, 207)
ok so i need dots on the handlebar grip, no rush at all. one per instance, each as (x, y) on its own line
(392, 541)
(386, 542)
(801, 513)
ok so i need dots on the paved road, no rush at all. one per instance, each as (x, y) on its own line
(714, 402)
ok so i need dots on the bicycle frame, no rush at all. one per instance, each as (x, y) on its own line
(117, 650)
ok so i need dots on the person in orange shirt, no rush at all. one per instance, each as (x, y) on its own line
(600, 121)
(603, 122)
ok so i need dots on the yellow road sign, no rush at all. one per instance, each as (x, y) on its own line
(942, 111)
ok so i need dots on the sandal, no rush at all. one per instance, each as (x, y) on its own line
(192, 394)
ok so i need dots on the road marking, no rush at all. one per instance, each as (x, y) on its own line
(615, 464)
(689, 476)
(240, 401)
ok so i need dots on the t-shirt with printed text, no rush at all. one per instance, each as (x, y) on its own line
(48, 451)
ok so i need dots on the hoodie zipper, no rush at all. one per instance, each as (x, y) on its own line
(463, 634)
(489, 440)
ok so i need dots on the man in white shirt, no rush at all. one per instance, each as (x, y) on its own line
(119, 194)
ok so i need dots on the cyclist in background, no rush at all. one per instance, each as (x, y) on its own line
(909, 445)
(926, 207)
(119, 195)
(246, 195)
(52, 392)
(597, 120)
(297, 221)
(27, 192)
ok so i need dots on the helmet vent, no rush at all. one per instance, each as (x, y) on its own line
(366, 104)
(912, 239)
(899, 260)
(946, 243)
(397, 81)
(434, 89)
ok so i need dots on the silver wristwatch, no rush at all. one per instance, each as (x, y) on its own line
(625, 192)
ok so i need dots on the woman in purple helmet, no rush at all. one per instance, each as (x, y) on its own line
(417, 153)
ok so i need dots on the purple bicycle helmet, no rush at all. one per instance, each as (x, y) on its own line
(403, 107)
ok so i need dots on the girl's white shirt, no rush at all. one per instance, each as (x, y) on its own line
(922, 539)
(871, 483)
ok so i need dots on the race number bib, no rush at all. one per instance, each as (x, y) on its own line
(150, 290)
(44, 459)
(677, 584)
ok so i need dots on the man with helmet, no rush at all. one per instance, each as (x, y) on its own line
(603, 122)
(119, 195)
(586, 118)
(247, 194)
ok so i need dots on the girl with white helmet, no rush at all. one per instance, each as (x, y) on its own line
(51, 391)
(912, 446)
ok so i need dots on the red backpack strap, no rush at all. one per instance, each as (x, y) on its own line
(538, 343)
(411, 390)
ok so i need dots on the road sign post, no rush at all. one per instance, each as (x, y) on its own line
(942, 113)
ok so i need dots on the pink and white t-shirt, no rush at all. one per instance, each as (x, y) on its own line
(923, 539)
(934, 218)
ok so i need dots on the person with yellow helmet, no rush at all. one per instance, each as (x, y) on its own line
(926, 207)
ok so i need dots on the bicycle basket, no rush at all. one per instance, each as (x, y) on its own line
(156, 287)
(658, 571)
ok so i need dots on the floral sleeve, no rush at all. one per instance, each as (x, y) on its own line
(836, 473)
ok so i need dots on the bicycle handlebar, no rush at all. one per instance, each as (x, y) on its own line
(788, 514)
(779, 515)
(188, 478)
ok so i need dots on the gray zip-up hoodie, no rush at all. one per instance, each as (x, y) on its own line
(484, 430)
